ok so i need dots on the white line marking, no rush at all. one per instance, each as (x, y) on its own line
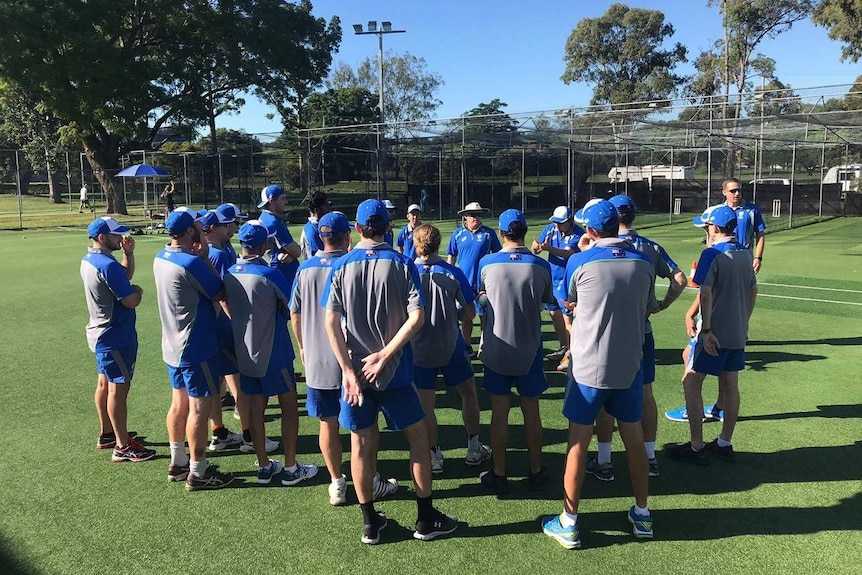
(810, 287)
(760, 295)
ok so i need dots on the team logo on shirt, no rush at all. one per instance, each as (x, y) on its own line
(514, 257)
(240, 267)
(480, 237)
(371, 253)
(324, 261)
(618, 253)
(426, 267)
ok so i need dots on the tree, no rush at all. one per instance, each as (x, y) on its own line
(843, 18)
(113, 72)
(489, 119)
(621, 53)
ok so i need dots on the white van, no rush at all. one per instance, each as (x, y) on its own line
(846, 175)
(771, 181)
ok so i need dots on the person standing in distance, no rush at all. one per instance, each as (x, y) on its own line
(750, 227)
(514, 286)
(111, 302)
(309, 241)
(85, 200)
(611, 287)
(281, 251)
(467, 246)
(405, 236)
(377, 293)
(389, 236)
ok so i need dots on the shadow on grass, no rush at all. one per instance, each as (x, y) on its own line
(754, 360)
(840, 341)
(13, 563)
(850, 411)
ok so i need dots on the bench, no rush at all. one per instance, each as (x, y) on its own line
(155, 220)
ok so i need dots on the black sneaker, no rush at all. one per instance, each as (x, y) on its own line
(178, 472)
(684, 453)
(653, 467)
(437, 525)
(109, 440)
(227, 402)
(496, 483)
(538, 481)
(134, 452)
(371, 531)
(211, 479)
(471, 353)
(726, 454)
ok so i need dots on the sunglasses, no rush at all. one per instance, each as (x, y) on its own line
(734, 191)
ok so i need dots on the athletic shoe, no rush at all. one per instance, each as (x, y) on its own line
(712, 413)
(685, 454)
(248, 446)
(297, 375)
(109, 440)
(537, 481)
(301, 473)
(641, 524)
(436, 462)
(437, 525)
(178, 473)
(134, 451)
(557, 355)
(496, 483)
(383, 488)
(265, 474)
(564, 365)
(471, 352)
(653, 467)
(229, 441)
(227, 402)
(478, 457)
(338, 492)
(601, 471)
(679, 414)
(726, 454)
(236, 414)
(211, 479)
(371, 531)
(568, 537)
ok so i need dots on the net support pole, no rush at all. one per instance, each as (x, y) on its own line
(792, 185)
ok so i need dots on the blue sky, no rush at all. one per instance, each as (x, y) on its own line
(513, 50)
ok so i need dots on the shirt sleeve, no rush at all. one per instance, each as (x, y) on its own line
(466, 290)
(544, 234)
(206, 281)
(115, 277)
(548, 293)
(282, 290)
(495, 242)
(333, 293)
(313, 241)
(664, 266)
(401, 236)
(220, 261)
(453, 244)
(282, 234)
(759, 224)
(295, 292)
(415, 296)
(705, 272)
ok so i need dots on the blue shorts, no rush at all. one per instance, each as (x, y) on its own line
(648, 360)
(228, 364)
(400, 407)
(118, 365)
(274, 383)
(582, 404)
(727, 360)
(321, 403)
(457, 371)
(199, 380)
(533, 384)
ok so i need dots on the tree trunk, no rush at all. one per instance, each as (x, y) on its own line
(103, 155)
(55, 193)
(214, 155)
(26, 176)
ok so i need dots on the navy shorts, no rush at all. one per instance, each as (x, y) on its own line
(321, 403)
(457, 371)
(228, 364)
(648, 360)
(275, 383)
(199, 380)
(532, 384)
(727, 360)
(582, 404)
(118, 365)
(400, 407)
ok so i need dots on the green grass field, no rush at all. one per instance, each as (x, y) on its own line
(791, 504)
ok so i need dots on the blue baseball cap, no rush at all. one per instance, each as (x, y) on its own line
(720, 215)
(372, 210)
(509, 217)
(624, 204)
(701, 220)
(269, 193)
(179, 220)
(579, 215)
(214, 217)
(253, 234)
(230, 212)
(561, 215)
(332, 224)
(105, 225)
(599, 215)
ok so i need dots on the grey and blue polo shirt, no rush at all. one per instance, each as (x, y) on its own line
(111, 325)
(468, 248)
(663, 265)
(516, 284)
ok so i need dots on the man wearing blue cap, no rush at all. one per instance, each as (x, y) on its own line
(514, 286)
(728, 290)
(187, 287)
(258, 296)
(323, 374)
(309, 241)
(560, 239)
(377, 293)
(611, 289)
(600, 466)
(111, 336)
(405, 236)
(282, 252)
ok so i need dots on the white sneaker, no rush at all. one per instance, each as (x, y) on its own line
(230, 441)
(338, 492)
(383, 487)
(248, 447)
(478, 457)
(236, 414)
(303, 471)
(437, 462)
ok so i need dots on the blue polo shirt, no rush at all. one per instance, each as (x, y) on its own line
(470, 247)
(389, 237)
(222, 259)
(564, 242)
(405, 242)
(310, 242)
(282, 238)
(111, 325)
(749, 222)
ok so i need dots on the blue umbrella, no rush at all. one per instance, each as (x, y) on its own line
(142, 171)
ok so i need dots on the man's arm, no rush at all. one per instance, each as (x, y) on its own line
(296, 324)
(339, 347)
(753, 298)
(133, 300)
(710, 342)
(468, 312)
(677, 285)
(759, 245)
(127, 244)
(373, 364)
(691, 316)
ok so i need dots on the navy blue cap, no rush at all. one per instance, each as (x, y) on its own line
(179, 220)
(269, 193)
(509, 217)
(600, 215)
(332, 224)
(253, 234)
(624, 204)
(230, 212)
(372, 212)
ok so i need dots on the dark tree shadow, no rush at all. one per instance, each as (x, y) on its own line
(12, 562)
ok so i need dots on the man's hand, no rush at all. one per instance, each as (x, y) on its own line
(202, 250)
(584, 243)
(372, 365)
(536, 247)
(758, 262)
(128, 245)
(138, 289)
(690, 326)
(710, 343)
(352, 389)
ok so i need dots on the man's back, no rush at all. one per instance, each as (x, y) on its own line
(444, 286)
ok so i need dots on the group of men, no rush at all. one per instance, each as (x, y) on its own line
(377, 321)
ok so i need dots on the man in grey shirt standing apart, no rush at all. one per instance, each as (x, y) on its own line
(611, 287)
(514, 286)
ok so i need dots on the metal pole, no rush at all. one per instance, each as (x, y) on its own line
(709, 159)
(627, 169)
(440, 184)
(463, 167)
(670, 195)
(523, 169)
(792, 185)
(822, 167)
(144, 161)
(18, 184)
(381, 156)
(220, 180)
(69, 181)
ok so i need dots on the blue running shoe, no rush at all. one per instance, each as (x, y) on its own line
(303, 471)
(568, 537)
(679, 414)
(641, 524)
(265, 474)
(712, 413)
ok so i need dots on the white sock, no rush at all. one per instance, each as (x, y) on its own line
(178, 453)
(340, 481)
(568, 519)
(293, 467)
(642, 511)
(198, 468)
(723, 443)
(604, 452)
(473, 442)
(650, 449)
